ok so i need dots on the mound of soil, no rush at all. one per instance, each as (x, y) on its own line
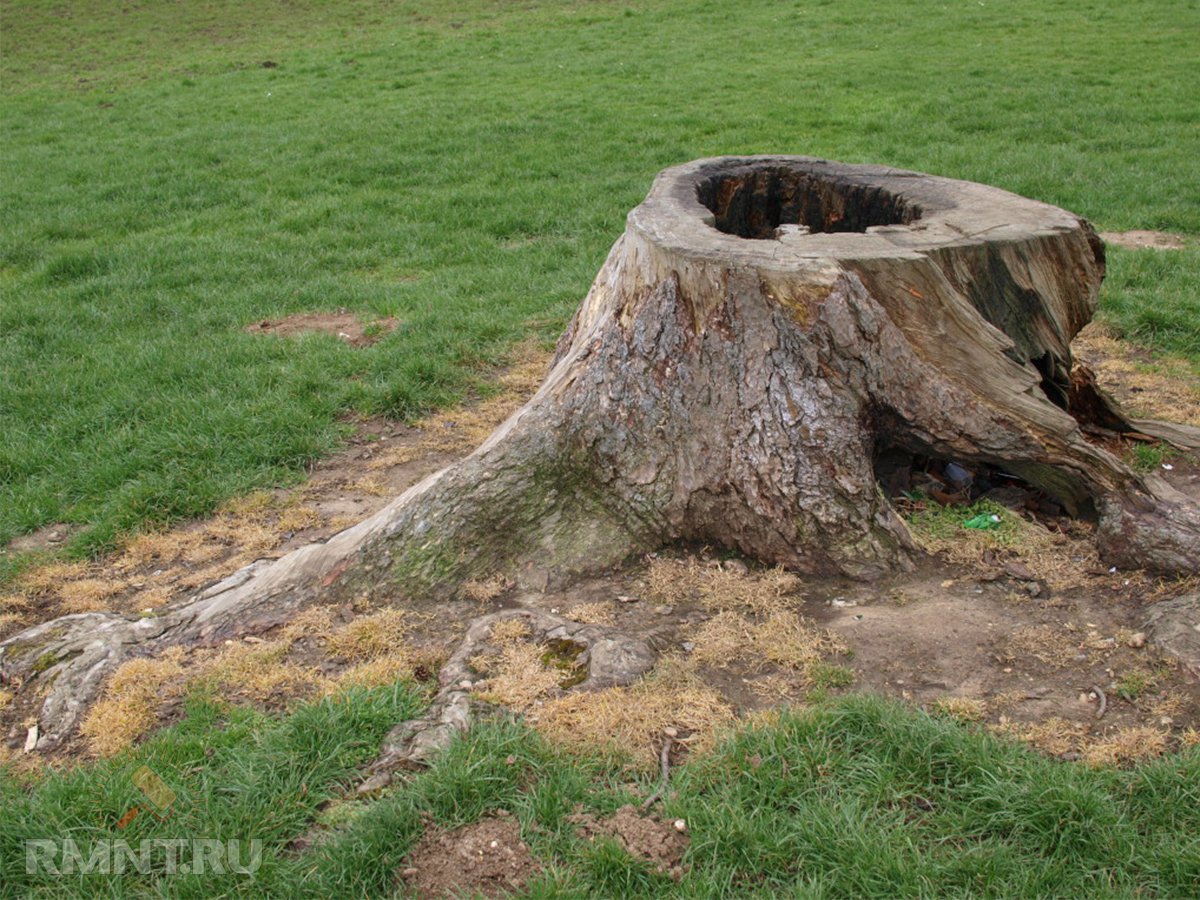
(486, 859)
(659, 842)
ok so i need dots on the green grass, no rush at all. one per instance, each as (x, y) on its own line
(236, 773)
(464, 167)
(1151, 457)
(856, 798)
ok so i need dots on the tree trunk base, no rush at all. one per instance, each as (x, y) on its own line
(762, 330)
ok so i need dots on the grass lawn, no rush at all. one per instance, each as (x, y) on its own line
(174, 172)
(855, 798)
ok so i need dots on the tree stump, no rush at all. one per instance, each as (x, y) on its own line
(765, 329)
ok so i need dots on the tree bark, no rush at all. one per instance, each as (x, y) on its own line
(762, 329)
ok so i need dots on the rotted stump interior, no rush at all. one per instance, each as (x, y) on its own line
(765, 335)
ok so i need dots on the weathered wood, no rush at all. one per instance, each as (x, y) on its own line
(763, 328)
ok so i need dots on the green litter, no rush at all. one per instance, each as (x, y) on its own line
(983, 522)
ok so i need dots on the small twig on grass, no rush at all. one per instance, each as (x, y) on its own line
(1103, 701)
(665, 760)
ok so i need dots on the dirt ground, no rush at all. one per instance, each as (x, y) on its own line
(1035, 638)
(486, 859)
(1138, 240)
(343, 325)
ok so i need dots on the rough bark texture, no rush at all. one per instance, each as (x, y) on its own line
(762, 328)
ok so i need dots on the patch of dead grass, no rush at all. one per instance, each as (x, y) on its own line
(509, 631)
(721, 639)
(629, 722)
(297, 518)
(485, 590)
(315, 621)
(46, 580)
(370, 485)
(90, 594)
(151, 598)
(371, 637)
(597, 613)
(1166, 387)
(258, 672)
(727, 587)
(961, 709)
(131, 700)
(778, 686)
(783, 638)
(6, 697)
(1125, 746)
(1054, 736)
(13, 603)
(516, 677)
(1170, 704)
(1045, 643)
(793, 643)
(401, 663)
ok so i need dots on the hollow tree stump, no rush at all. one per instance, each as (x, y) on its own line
(762, 329)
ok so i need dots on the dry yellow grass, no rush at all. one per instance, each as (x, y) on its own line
(1046, 643)
(13, 603)
(962, 709)
(1171, 704)
(151, 598)
(316, 621)
(509, 631)
(371, 637)
(47, 579)
(516, 676)
(630, 722)
(129, 706)
(1127, 745)
(779, 686)
(789, 641)
(1054, 736)
(6, 697)
(1190, 737)
(1166, 388)
(783, 638)
(11, 620)
(727, 587)
(256, 505)
(722, 639)
(597, 613)
(89, 594)
(375, 672)
(371, 486)
(257, 672)
(485, 590)
(297, 518)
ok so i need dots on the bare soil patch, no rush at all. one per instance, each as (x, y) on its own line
(342, 325)
(45, 538)
(660, 843)
(1139, 240)
(486, 859)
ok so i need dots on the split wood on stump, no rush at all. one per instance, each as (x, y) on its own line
(760, 331)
